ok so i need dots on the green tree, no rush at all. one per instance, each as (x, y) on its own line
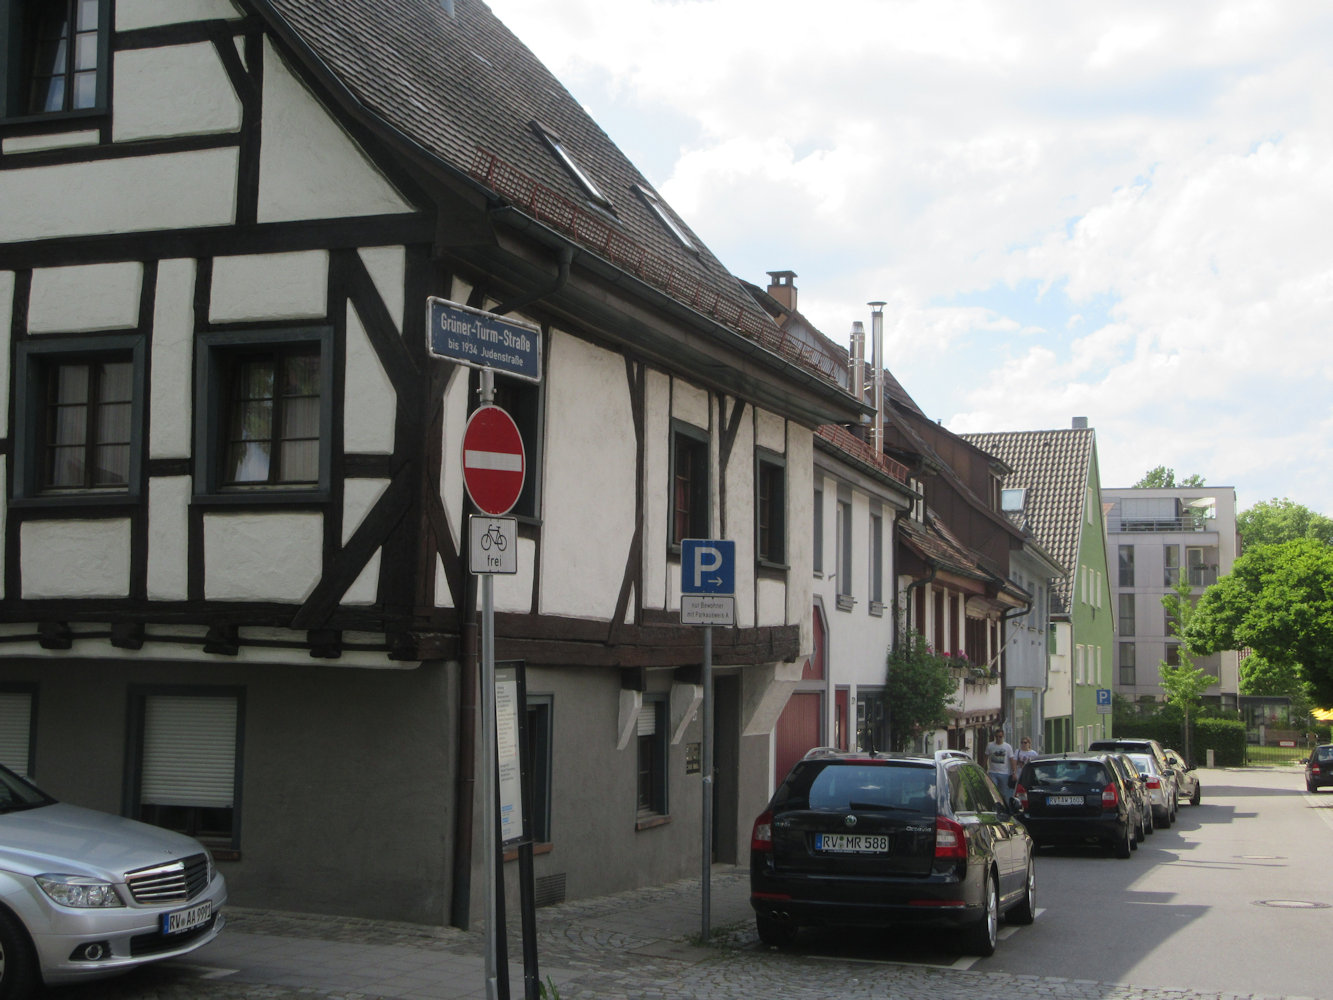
(1277, 601)
(1183, 683)
(1272, 522)
(918, 690)
(1261, 676)
(1164, 478)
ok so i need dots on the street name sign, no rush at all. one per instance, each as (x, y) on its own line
(480, 339)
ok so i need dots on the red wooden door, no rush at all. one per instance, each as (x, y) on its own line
(798, 730)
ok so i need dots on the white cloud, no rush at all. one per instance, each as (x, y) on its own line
(1117, 211)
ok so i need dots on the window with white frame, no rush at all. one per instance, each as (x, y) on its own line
(845, 553)
(876, 563)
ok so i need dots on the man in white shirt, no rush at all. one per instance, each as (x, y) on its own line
(1000, 761)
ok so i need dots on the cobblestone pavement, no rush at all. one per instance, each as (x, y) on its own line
(641, 944)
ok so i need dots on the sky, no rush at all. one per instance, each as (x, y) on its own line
(1120, 211)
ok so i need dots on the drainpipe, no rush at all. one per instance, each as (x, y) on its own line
(460, 904)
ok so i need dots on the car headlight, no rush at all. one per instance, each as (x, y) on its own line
(80, 891)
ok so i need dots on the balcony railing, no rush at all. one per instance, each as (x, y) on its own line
(1161, 524)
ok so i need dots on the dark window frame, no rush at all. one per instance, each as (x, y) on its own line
(652, 763)
(541, 752)
(1128, 665)
(525, 402)
(1125, 555)
(17, 53)
(217, 351)
(222, 847)
(692, 443)
(770, 509)
(35, 359)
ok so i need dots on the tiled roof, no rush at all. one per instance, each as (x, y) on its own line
(461, 89)
(1054, 467)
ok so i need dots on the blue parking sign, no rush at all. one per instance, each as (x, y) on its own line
(707, 566)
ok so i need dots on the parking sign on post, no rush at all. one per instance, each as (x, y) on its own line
(707, 581)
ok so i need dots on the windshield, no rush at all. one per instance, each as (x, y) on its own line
(16, 793)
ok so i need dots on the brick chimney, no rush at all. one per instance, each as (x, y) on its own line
(782, 286)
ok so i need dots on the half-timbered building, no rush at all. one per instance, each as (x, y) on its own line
(236, 599)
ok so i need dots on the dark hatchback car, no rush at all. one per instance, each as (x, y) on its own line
(863, 840)
(1077, 799)
(1319, 768)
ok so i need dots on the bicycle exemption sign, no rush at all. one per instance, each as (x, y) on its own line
(492, 544)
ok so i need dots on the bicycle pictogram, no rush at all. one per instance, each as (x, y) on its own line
(494, 536)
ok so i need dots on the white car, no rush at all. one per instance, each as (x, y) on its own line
(85, 894)
(1161, 789)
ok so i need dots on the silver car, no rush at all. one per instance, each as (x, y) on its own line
(1161, 789)
(85, 894)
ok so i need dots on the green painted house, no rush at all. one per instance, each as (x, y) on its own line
(1053, 491)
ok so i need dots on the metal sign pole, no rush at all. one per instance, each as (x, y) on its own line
(488, 754)
(708, 778)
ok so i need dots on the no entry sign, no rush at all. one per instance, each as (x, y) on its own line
(493, 460)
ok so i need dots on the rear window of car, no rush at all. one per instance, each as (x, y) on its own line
(1324, 753)
(1145, 762)
(837, 786)
(1067, 772)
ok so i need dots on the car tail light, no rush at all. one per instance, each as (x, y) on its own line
(1314, 768)
(761, 838)
(1154, 781)
(1021, 794)
(1110, 797)
(950, 840)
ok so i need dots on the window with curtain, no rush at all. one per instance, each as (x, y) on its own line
(689, 486)
(273, 418)
(86, 436)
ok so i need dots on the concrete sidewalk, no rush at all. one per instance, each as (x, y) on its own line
(605, 946)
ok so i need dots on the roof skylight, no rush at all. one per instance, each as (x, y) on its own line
(577, 172)
(668, 220)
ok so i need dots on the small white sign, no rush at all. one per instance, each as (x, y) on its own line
(493, 544)
(705, 609)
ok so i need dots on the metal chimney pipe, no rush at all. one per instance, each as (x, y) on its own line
(877, 343)
(856, 370)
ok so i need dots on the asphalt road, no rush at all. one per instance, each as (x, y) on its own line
(1236, 898)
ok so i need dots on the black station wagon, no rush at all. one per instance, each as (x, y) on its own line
(863, 840)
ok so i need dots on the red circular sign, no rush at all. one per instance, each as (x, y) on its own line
(493, 461)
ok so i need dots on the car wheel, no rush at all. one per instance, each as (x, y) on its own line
(1198, 794)
(1311, 787)
(980, 937)
(776, 933)
(1166, 820)
(1124, 845)
(1026, 910)
(1141, 834)
(18, 967)
(1149, 819)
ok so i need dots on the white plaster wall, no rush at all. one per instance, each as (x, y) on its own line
(119, 195)
(451, 471)
(800, 546)
(51, 140)
(75, 558)
(309, 167)
(764, 605)
(168, 537)
(656, 489)
(359, 497)
(513, 591)
(388, 270)
(262, 557)
(770, 431)
(6, 312)
(369, 400)
(691, 404)
(589, 487)
(85, 297)
(172, 91)
(171, 375)
(132, 14)
(272, 286)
